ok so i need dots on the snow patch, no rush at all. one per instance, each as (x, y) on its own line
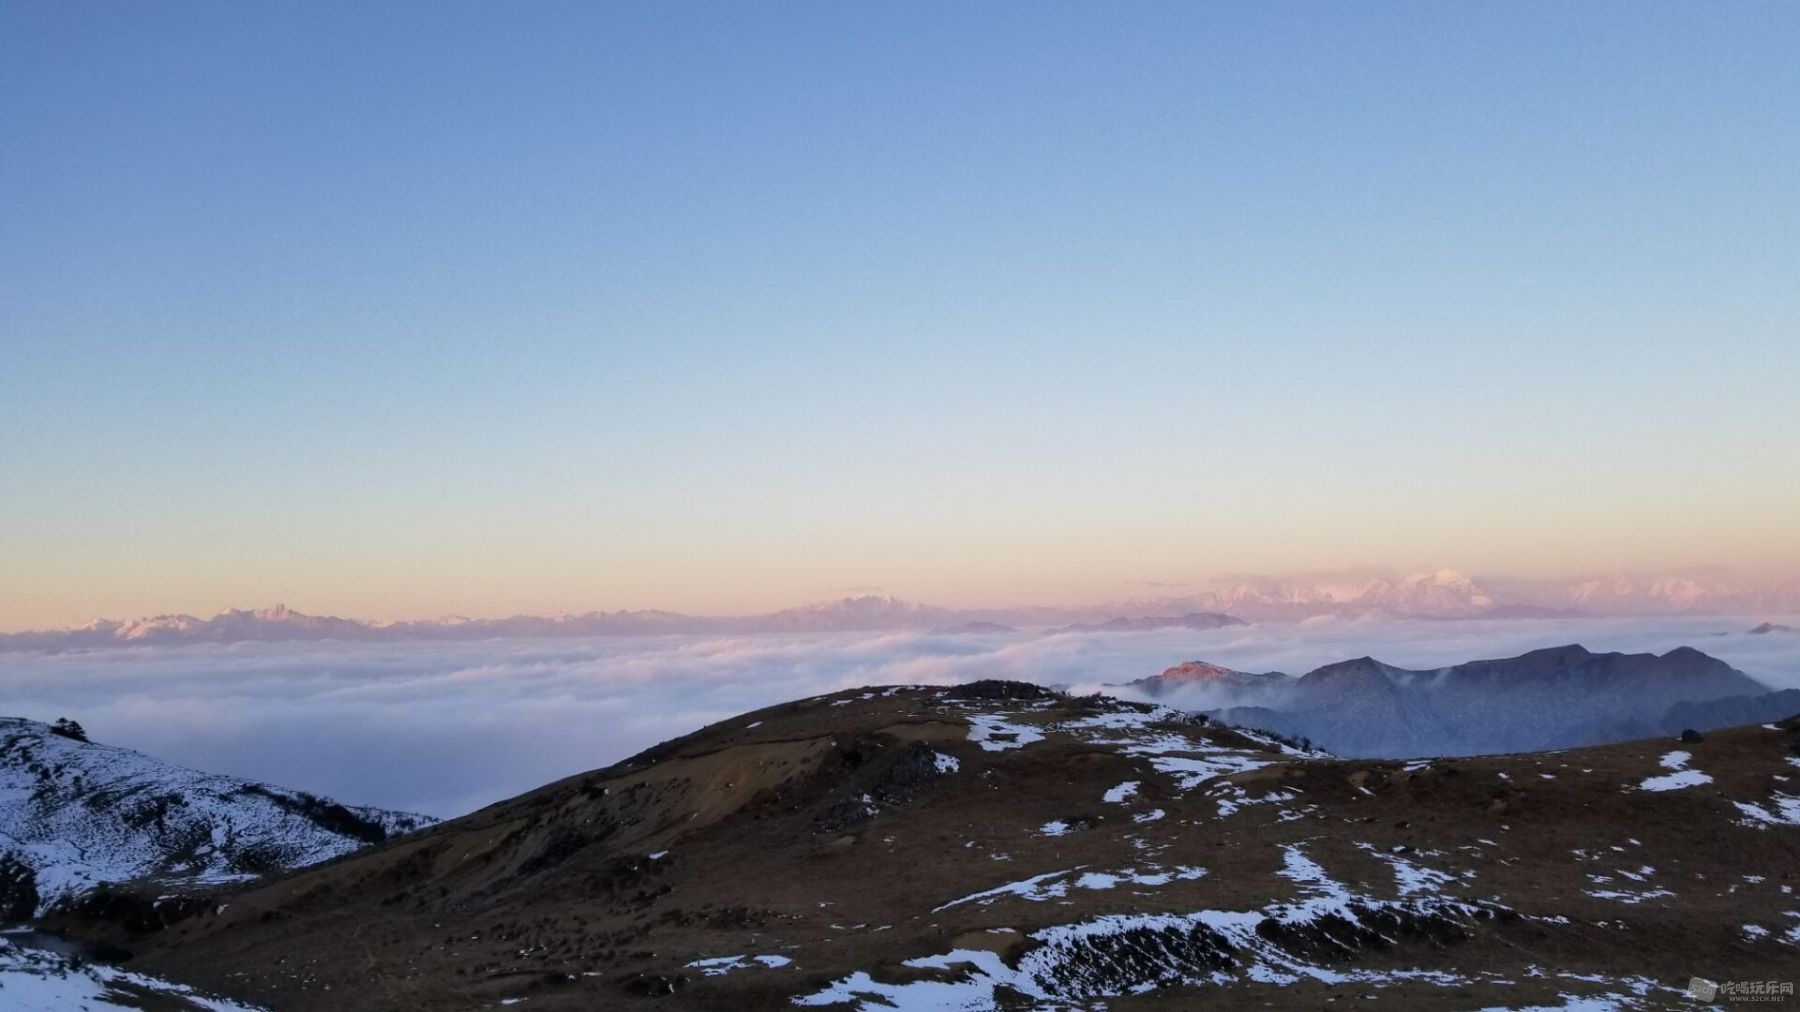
(1680, 778)
(1117, 795)
(1054, 885)
(714, 966)
(1779, 810)
(994, 733)
(1409, 878)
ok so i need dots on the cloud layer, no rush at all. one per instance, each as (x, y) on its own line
(444, 728)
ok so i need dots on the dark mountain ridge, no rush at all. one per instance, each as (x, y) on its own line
(1555, 697)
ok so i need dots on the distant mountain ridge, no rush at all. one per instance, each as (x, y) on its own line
(1443, 594)
(1152, 623)
(75, 814)
(1731, 711)
(868, 613)
(1557, 697)
(1448, 593)
(1215, 681)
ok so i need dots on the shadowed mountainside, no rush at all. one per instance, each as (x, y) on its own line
(1552, 698)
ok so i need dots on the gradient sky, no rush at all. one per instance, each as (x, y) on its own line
(402, 309)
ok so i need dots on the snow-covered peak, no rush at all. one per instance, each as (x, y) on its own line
(1448, 578)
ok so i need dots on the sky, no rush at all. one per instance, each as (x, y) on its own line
(403, 309)
(444, 728)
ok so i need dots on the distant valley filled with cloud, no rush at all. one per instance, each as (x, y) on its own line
(444, 727)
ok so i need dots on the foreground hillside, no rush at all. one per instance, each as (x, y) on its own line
(995, 845)
(75, 814)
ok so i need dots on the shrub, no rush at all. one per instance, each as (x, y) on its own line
(68, 729)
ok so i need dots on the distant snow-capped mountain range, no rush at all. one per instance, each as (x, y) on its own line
(1445, 594)
(1451, 594)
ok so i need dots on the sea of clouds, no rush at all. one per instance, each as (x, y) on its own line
(444, 728)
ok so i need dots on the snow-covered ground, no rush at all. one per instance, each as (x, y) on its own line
(32, 980)
(1679, 777)
(78, 814)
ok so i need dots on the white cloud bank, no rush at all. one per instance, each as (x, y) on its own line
(443, 728)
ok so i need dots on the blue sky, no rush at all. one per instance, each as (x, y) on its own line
(393, 309)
